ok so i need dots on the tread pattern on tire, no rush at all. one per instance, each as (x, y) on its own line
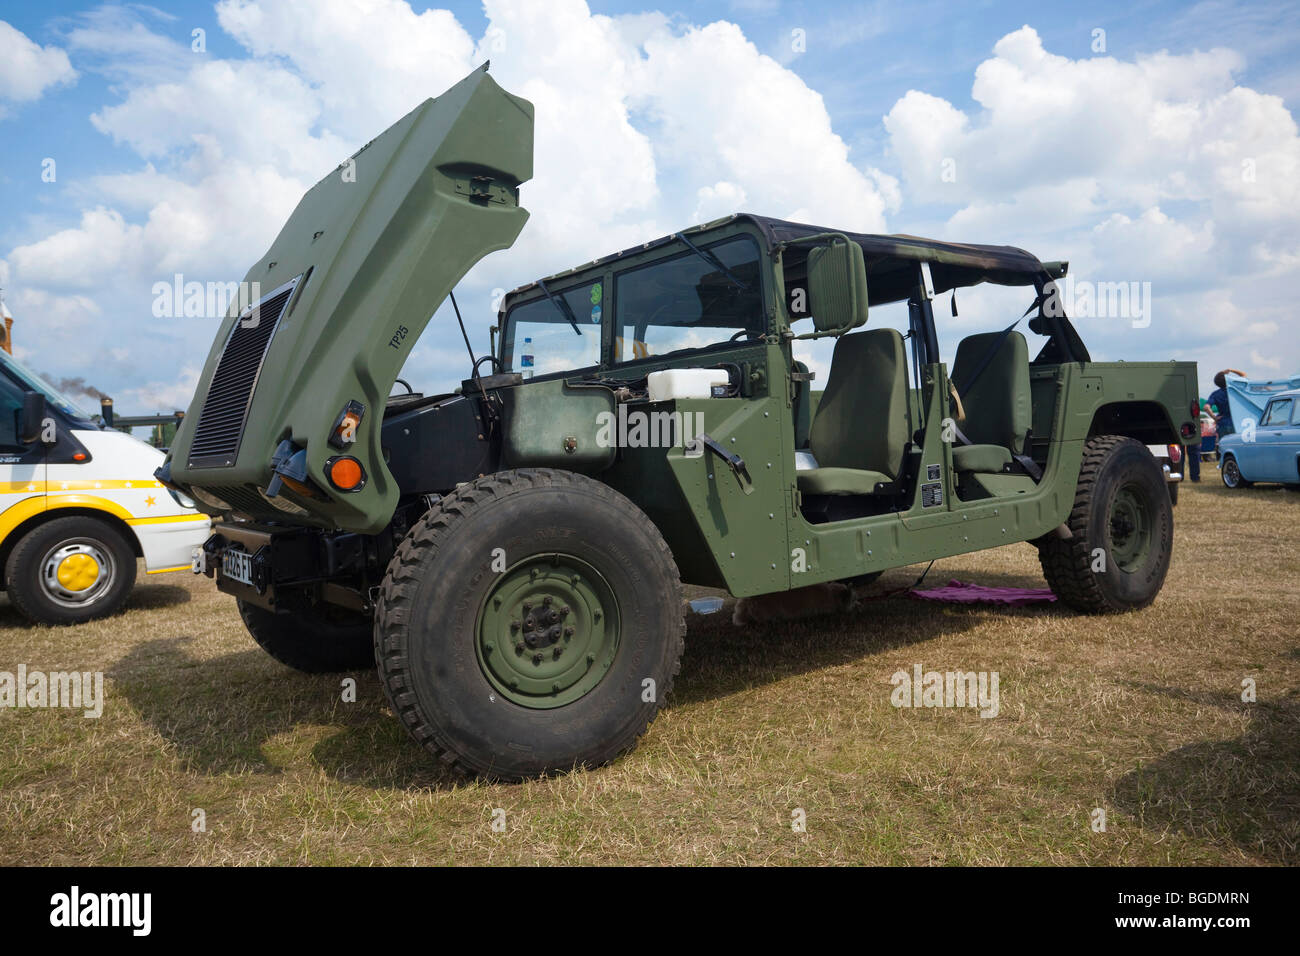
(394, 608)
(1067, 562)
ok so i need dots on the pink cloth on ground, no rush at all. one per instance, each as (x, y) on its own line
(958, 592)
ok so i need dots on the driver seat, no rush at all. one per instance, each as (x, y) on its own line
(997, 402)
(860, 431)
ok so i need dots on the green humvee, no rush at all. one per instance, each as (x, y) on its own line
(511, 555)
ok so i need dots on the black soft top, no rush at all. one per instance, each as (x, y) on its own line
(891, 260)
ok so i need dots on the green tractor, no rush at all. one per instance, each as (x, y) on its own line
(511, 555)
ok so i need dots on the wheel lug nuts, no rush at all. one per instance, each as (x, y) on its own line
(568, 632)
(514, 625)
(537, 658)
(556, 653)
(547, 600)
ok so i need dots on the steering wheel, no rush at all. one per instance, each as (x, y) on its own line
(748, 332)
(402, 381)
(956, 400)
(496, 363)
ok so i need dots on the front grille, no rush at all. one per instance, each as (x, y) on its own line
(241, 499)
(225, 409)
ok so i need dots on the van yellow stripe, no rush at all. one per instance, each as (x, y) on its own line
(28, 507)
(90, 484)
(17, 514)
(166, 519)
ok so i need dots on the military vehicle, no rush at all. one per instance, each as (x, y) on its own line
(511, 555)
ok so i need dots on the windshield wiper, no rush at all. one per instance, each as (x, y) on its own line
(559, 302)
(713, 260)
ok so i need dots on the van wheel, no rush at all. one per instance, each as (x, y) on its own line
(314, 638)
(530, 623)
(70, 570)
(1122, 531)
(1231, 474)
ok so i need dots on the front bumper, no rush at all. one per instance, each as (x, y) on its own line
(287, 564)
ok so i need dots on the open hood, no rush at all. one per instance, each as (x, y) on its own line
(338, 301)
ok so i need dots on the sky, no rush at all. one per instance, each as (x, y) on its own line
(1149, 143)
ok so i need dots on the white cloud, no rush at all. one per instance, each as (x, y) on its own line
(1160, 169)
(28, 69)
(366, 59)
(629, 145)
(1263, 361)
(256, 111)
(720, 199)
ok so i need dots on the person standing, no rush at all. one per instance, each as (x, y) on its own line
(1218, 400)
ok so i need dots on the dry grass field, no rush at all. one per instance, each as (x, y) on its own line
(1140, 715)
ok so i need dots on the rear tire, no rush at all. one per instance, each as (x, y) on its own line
(530, 623)
(316, 639)
(1122, 528)
(1231, 474)
(70, 570)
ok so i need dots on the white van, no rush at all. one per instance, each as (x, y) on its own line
(78, 505)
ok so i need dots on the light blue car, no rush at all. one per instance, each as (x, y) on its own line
(1267, 450)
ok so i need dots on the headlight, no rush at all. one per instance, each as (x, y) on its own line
(181, 499)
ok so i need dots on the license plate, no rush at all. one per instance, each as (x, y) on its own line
(238, 565)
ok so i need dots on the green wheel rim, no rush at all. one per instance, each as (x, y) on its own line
(1131, 528)
(548, 631)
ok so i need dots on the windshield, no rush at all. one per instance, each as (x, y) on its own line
(701, 297)
(542, 337)
(32, 382)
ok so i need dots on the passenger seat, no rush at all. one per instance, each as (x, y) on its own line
(860, 431)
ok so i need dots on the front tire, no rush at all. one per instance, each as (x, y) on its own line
(70, 570)
(1231, 473)
(1122, 531)
(314, 639)
(530, 623)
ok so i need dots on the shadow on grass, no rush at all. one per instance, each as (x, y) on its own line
(143, 597)
(9, 616)
(149, 597)
(723, 659)
(245, 713)
(1244, 791)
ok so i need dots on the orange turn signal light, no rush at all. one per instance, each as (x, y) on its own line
(345, 473)
(344, 432)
